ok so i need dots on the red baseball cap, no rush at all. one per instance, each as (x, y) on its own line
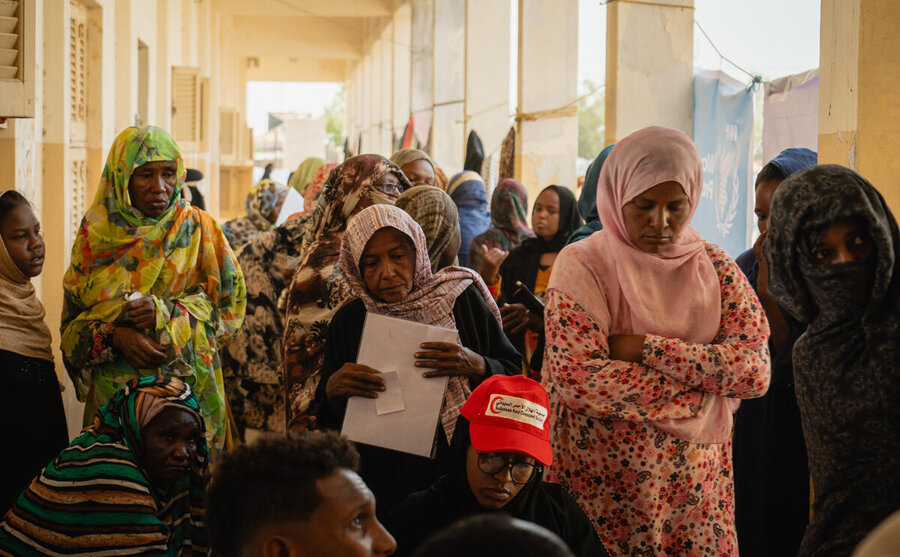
(510, 414)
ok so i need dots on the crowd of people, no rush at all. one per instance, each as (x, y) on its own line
(617, 386)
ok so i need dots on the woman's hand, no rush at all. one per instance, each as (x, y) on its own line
(516, 318)
(353, 380)
(449, 359)
(626, 348)
(142, 312)
(491, 259)
(139, 350)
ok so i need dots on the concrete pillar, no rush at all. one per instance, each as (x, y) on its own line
(401, 48)
(547, 145)
(859, 117)
(649, 60)
(422, 67)
(447, 140)
(487, 71)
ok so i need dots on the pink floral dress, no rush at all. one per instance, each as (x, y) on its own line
(647, 491)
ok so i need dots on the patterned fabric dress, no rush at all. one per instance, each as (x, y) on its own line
(180, 259)
(252, 362)
(95, 498)
(315, 292)
(649, 492)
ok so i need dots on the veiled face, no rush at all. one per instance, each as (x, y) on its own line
(845, 241)
(654, 218)
(388, 265)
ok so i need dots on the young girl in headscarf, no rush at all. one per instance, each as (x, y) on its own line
(384, 241)
(467, 191)
(651, 334)
(832, 251)
(315, 292)
(263, 204)
(153, 287)
(30, 402)
(509, 217)
(554, 217)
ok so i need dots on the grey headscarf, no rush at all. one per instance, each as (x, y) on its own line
(847, 364)
(436, 213)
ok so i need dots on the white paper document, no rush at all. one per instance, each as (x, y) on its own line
(389, 345)
(293, 203)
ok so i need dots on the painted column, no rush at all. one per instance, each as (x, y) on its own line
(447, 140)
(487, 71)
(422, 67)
(649, 66)
(547, 145)
(859, 117)
(401, 50)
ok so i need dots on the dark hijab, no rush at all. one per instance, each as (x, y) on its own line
(587, 200)
(450, 499)
(846, 364)
(474, 153)
(523, 262)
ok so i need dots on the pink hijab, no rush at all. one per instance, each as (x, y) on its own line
(674, 294)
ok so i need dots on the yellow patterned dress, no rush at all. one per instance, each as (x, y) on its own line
(181, 259)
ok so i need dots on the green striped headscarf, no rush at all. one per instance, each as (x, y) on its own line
(95, 497)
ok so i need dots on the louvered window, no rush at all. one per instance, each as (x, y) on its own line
(204, 114)
(186, 107)
(78, 86)
(17, 58)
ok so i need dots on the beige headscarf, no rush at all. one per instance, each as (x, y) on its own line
(22, 327)
(436, 213)
(405, 156)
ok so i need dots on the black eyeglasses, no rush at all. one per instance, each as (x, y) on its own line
(391, 188)
(521, 471)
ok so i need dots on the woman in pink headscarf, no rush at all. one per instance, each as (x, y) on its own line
(652, 334)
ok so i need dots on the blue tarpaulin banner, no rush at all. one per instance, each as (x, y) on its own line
(723, 133)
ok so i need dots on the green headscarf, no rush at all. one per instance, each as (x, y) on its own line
(304, 173)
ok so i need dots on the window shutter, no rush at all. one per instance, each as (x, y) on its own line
(186, 107)
(227, 133)
(78, 19)
(17, 65)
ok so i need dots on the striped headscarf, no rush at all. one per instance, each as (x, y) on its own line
(405, 156)
(436, 213)
(95, 498)
(433, 297)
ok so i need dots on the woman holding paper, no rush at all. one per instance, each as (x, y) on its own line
(384, 259)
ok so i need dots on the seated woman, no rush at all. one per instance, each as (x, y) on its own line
(832, 248)
(435, 212)
(153, 287)
(509, 220)
(251, 363)
(316, 291)
(132, 483)
(496, 465)
(263, 204)
(553, 217)
(29, 389)
(652, 335)
(467, 191)
(416, 165)
(385, 263)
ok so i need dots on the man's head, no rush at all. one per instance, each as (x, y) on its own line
(294, 496)
(493, 535)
